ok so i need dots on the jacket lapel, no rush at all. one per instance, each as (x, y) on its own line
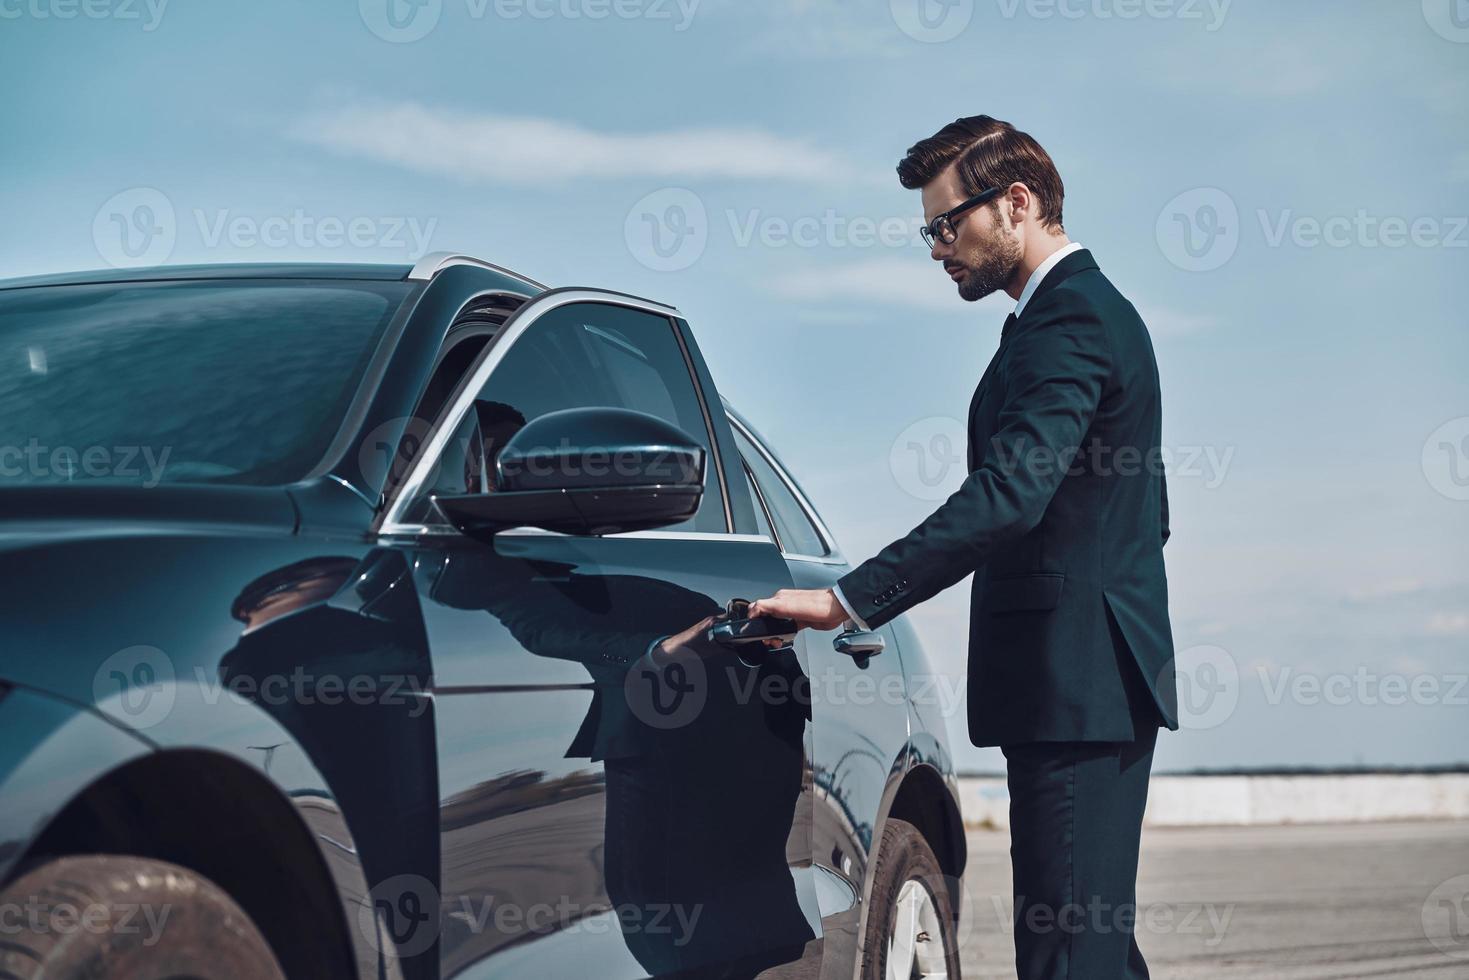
(1076, 262)
(979, 390)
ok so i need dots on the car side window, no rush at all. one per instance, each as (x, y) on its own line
(578, 356)
(793, 529)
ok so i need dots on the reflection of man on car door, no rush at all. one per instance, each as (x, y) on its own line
(701, 779)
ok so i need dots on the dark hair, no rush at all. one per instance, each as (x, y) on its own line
(990, 153)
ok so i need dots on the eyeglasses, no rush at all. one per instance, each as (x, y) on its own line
(942, 227)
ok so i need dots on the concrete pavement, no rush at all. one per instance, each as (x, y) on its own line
(1304, 902)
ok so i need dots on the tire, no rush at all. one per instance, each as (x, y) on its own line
(126, 918)
(907, 873)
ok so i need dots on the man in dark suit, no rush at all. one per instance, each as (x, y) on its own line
(1062, 520)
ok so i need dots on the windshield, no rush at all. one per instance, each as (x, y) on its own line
(223, 381)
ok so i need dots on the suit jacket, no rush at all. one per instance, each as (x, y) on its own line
(1062, 518)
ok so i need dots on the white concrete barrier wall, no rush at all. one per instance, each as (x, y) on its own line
(1190, 801)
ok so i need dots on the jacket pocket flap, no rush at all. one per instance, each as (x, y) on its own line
(1039, 591)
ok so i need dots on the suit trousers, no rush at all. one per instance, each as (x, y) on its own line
(1076, 814)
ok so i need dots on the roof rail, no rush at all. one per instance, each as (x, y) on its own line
(435, 262)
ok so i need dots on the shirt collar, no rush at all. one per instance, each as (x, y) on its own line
(1034, 282)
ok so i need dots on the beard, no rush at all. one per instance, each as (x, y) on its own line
(994, 271)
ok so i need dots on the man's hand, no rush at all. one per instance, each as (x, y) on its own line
(813, 608)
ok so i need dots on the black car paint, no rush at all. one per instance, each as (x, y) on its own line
(431, 788)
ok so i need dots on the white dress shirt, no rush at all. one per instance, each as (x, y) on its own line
(1031, 285)
(1034, 282)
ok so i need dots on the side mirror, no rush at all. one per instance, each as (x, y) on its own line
(587, 471)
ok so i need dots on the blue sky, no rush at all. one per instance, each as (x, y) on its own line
(1282, 189)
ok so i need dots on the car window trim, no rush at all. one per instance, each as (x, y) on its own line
(688, 361)
(834, 553)
(760, 502)
(451, 339)
(430, 265)
(458, 332)
(367, 387)
(511, 331)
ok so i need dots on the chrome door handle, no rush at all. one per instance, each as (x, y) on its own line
(859, 644)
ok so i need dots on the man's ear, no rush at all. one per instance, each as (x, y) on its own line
(1022, 202)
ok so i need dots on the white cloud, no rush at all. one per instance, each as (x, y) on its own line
(1449, 624)
(494, 148)
(891, 280)
(1410, 665)
(1386, 590)
(921, 283)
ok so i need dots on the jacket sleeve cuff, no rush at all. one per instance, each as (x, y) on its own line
(651, 654)
(851, 613)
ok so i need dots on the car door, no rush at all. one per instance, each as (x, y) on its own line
(859, 704)
(603, 811)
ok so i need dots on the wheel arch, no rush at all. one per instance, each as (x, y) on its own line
(921, 791)
(218, 816)
(925, 799)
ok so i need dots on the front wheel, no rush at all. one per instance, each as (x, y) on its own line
(911, 927)
(127, 918)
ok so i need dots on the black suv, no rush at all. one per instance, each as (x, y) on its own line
(368, 621)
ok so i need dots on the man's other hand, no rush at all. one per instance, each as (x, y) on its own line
(813, 608)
